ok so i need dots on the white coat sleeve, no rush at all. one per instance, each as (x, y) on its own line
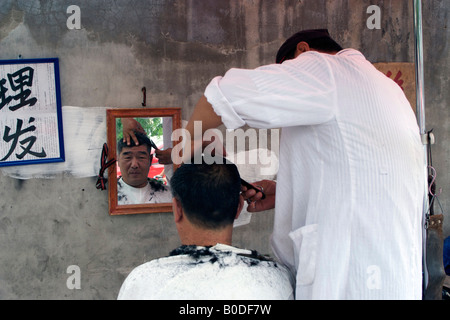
(298, 92)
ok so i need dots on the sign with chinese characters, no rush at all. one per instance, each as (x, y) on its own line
(31, 128)
(404, 74)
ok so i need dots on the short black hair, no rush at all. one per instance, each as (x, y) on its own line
(142, 138)
(318, 39)
(209, 193)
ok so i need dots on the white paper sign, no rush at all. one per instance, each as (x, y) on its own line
(30, 112)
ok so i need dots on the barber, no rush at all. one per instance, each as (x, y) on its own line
(348, 197)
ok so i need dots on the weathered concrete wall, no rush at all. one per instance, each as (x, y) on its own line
(174, 48)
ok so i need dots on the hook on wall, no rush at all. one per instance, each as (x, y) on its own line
(144, 93)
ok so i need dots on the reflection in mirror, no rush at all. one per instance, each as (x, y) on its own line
(139, 183)
(140, 177)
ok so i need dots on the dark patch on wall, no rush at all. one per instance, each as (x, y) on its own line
(10, 18)
(18, 184)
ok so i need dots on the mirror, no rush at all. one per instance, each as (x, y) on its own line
(138, 183)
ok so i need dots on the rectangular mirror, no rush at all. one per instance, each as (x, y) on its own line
(138, 183)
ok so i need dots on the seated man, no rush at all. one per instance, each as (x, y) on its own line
(134, 186)
(206, 202)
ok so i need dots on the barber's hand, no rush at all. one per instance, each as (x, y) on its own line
(164, 156)
(255, 204)
(130, 126)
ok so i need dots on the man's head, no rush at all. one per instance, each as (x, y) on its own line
(208, 195)
(135, 160)
(317, 39)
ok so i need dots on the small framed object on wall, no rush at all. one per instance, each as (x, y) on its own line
(138, 183)
(31, 130)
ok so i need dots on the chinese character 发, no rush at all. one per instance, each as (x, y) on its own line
(28, 142)
(18, 81)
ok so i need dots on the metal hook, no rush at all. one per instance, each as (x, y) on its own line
(434, 196)
(144, 92)
(433, 175)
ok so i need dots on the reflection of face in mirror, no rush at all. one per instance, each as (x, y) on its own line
(135, 186)
(134, 165)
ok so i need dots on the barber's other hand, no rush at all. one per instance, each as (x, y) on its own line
(256, 204)
(130, 126)
(164, 156)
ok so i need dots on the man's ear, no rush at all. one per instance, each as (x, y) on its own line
(240, 206)
(301, 48)
(177, 210)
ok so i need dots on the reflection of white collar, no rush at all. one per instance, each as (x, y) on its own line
(152, 193)
(130, 195)
(128, 186)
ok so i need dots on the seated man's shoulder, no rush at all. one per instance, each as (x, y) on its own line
(146, 280)
(189, 268)
(262, 265)
(158, 185)
(257, 276)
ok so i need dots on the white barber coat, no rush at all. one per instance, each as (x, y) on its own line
(351, 177)
(220, 272)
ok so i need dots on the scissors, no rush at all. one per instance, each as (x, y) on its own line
(250, 186)
(153, 145)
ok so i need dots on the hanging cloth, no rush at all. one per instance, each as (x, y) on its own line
(104, 164)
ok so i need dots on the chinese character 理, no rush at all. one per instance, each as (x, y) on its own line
(4, 100)
(19, 82)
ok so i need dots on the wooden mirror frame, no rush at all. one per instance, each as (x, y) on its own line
(111, 116)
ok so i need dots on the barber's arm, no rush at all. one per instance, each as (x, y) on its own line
(204, 113)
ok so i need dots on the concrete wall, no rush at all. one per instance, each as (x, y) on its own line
(174, 48)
